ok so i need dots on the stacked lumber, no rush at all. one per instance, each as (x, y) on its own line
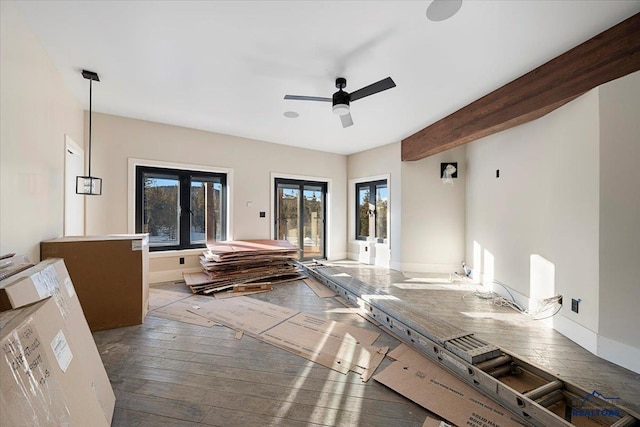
(229, 264)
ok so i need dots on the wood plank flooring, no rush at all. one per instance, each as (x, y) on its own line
(168, 373)
(505, 328)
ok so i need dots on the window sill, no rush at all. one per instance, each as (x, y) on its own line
(176, 253)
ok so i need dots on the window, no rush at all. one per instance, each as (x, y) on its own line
(300, 211)
(371, 210)
(180, 209)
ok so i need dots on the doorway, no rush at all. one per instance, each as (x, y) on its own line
(300, 212)
(73, 203)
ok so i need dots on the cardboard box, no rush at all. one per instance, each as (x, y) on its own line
(42, 377)
(432, 387)
(250, 287)
(12, 264)
(51, 278)
(110, 275)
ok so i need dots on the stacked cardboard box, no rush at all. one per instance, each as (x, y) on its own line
(110, 275)
(232, 263)
(52, 372)
(11, 264)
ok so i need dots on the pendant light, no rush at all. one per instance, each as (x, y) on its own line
(89, 185)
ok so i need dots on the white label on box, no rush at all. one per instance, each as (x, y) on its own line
(136, 245)
(70, 289)
(41, 285)
(61, 350)
(50, 277)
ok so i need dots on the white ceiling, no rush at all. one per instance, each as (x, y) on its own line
(224, 66)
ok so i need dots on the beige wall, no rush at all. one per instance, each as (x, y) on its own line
(433, 214)
(545, 203)
(568, 191)
(37, 110)
(427, 217)
(620, 210)
(251, 163)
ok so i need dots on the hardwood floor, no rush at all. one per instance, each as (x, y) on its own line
(168, 373)
(502, 326)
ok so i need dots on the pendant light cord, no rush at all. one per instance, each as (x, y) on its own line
(90, 97)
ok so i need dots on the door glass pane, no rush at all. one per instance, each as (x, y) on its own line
(206, 215)
(381, 211)
(161, 209)
(363, 211)
(313, 228)
(288, 213)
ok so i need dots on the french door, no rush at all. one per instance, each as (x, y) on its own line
(300, 212)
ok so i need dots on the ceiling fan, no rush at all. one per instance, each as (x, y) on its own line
(342, 99)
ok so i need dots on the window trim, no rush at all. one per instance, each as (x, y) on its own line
(371, 184)
(133, 163)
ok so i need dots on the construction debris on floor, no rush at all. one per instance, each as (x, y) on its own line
(318, 288)
(335, 345)
(430, 386)
(258, 262)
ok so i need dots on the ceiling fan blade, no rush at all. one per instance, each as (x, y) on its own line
(346, 120)
(307, 98)
(376, 87)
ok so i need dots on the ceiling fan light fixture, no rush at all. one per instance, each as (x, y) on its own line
(341, 99)
(341, 109)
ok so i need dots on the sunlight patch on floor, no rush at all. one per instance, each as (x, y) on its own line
(436, 287)
(504, 317)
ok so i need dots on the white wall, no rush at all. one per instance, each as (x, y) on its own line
(433, 214)
(545, 203)
(372, 164)
(116, 139)
(620, 211)
(427, 217)
(37, 111)
(568, 192)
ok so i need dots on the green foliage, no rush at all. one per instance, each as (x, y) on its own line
(364, 215)
(160, 209)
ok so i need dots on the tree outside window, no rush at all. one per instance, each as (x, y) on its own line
(179, 209)
(371, 210)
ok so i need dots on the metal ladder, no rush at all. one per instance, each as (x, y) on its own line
(543, 400)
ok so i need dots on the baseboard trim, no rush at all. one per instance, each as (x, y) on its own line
(337, 256)
(619, 353)
(426, 268)
(577, 333)
(352, 256)
(171, 275)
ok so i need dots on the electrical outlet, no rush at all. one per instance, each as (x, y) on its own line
(560, 300)
(574, 305)
(181, 260)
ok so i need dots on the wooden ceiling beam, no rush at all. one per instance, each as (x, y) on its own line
(611, 54)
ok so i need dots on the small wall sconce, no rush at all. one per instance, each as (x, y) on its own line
(89, 185)
(448, 171)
